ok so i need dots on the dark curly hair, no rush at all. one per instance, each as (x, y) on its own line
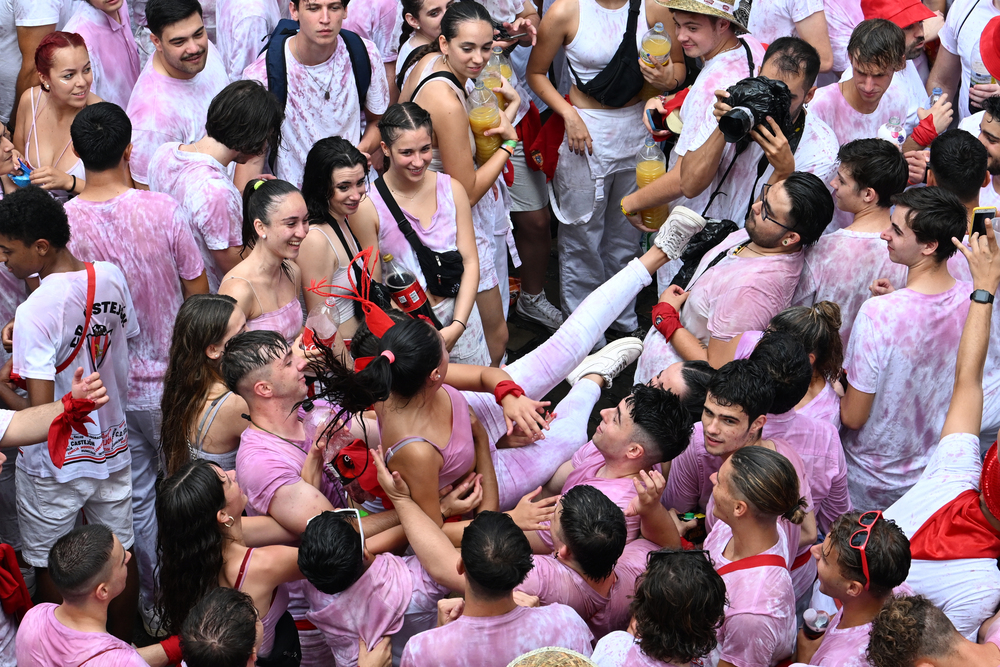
(679, 604)
(189, 543)
(907, 629)
(661, 422)
(887, 552)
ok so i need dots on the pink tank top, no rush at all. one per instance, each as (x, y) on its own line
(279, 604)
(459, 453)
(287, 320)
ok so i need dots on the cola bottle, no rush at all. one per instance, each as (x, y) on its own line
(406, 290)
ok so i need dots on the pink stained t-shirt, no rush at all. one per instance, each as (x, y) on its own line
(42, 641)
(903, 365)
(689, 484)
(840, 267)
(114, 55)
(632, 564)
(164, 109)
(825, 406)
(554, 582)
(843, 647)
(771, 20)
(379, 21)
(759, 627)
(242, 28)
(310, 115)
(494, 641)
(374, 606)
(201, 185)
(620, 649)
(146, 235)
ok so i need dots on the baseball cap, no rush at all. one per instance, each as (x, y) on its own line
(989, 47)
(903, 13)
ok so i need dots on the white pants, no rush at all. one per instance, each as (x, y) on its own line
(144, 446)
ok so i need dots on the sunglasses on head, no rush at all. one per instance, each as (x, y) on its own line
(859, 540)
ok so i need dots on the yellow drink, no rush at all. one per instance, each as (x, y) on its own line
(491, 82)
(506, 72)
(480, 120)
(646, 172)
(655, 51)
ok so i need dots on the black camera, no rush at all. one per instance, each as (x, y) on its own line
(752, 101)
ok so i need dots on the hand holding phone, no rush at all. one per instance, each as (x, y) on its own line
(979, 217)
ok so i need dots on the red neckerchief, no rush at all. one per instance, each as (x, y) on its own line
(957, 530)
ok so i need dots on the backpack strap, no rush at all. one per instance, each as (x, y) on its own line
(361, 64)
(760, 560)
(277, 68)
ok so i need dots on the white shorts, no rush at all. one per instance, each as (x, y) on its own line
(48, 509)
(528, 191)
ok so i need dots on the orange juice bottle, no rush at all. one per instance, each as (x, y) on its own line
(498, 66)
(655, 51)
(484, 113)
(650, 165)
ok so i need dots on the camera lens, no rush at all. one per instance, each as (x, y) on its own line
(736, 124)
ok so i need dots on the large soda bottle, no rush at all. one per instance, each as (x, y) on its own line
(893, 132)
(322, 324)
(484, 113)
(650, 165)
(980, 76)
(815, 623)
(655, 51)
(406, 290)
(498, 66)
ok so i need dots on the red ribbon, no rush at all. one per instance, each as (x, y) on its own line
(376, 319)
(507, 387)
(925, 132)
(666, 320)
(73, 418)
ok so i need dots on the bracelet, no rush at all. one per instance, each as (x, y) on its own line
(172, 647)
(666, 320)
(505, 388)
(506, 150)
(72, 188)
(464, 328)
(627, 214)
(510, 143)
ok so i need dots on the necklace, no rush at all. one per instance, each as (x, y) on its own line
(261, 428)
(329, 84)
(410, 197)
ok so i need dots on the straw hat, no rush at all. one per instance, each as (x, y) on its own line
(552, 656)
(736, 12)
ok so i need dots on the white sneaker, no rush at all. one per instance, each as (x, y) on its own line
(609, 361)
(536, 307)
(151, 621)
(681, 225)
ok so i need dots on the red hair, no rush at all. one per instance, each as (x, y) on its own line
(51, 43)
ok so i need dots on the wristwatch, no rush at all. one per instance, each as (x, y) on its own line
(981, 296)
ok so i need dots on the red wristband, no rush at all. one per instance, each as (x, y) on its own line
(666, 320)
(73, 418)
(925, 132)
(172, 647)
(507, 387)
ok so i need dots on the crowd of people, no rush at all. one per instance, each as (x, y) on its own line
(288, 229)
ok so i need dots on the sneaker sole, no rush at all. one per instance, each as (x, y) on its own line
(612, 349)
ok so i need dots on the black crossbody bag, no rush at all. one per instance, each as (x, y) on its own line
(621, 79)
(442, 270)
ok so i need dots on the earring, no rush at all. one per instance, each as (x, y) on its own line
(229, 524)
(784, 242)
(46, 88)
(263, 236)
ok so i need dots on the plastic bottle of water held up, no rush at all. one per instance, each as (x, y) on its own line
(498, 66)
(935, 96)
(484, 113)
(321, 325)
(815, 623)
(893, 132)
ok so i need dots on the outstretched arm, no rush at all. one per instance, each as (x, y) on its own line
(31, 425)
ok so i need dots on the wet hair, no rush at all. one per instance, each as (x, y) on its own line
(696, 375)
(330, 554)
(934, 214)
(594, 529)
(887, 552)
(879, 43)
(456, 15)
(31, 214)
(496, 555)
(817, 327)
(958, 162)
(794, 56)
(661, 423)
(101, 132)
(296, 3)
(908, 629)
(190, 541)
(220, 631)
(52, 42)
(260, 199)
(161, 14)
(201, 321)
(402, 117)
(768, 482)
(812, 205)
(247, 353)
(245, 117)
(787, 362)
(324, 157)
(745, 384)
(679, 605)
(875, 164)
(79, 560)
(992, 106)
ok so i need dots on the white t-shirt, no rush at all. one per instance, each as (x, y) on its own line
(47, 327)
(963, 26)
(242, 29)
(967, 590)
(164, 109)
(908, 366)
(777, 18)
(24, 14)
(842, 16)
(310, 115)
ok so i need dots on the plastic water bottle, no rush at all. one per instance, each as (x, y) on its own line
(406, 290)
(498, 66)
(655, 51)
(484, 113)
(980, 76)
(815, 623)
(650, 164)
(935, 96)
(893, 132)
(321, 325)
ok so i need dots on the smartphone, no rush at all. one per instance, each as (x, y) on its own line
(655, 119)
(979, 217)
(502, 34)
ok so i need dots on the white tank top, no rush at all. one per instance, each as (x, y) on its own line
(599, 36)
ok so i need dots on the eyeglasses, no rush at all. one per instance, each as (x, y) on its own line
(356, 513)
(765, 210)
(859, 540)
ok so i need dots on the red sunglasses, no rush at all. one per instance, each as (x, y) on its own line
(859, 540)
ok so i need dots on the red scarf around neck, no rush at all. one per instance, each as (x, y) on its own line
(956, 531)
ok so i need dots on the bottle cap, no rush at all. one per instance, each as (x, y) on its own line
(809, 615)
(387, 257)
(658, 27)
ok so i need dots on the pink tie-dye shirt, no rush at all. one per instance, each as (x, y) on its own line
(379, 21)
(206, 193)
(147, 236)
(909, 369)
(242, 27)
(830, 105)
(620, 649)
(43, 641)
(494, 641)
(840, 267)
(842, 647)
(310, 115)
(114, 55)
(777, 18)
(164, 109)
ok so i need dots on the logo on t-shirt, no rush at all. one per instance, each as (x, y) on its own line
(98, 344)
